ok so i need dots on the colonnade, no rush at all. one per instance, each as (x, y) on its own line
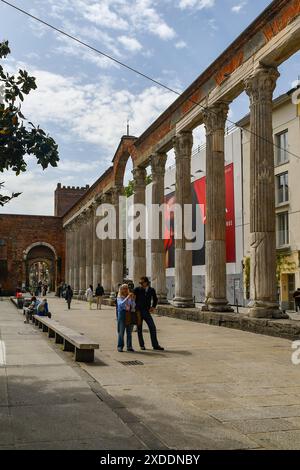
(90, 260)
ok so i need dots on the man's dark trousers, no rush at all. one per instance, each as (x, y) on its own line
(147, 317)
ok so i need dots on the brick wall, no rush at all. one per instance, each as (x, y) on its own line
(65, 197)
(17, 233)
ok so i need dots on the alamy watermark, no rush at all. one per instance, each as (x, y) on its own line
(153, 222)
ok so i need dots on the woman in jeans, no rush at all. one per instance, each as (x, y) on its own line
(125, 304)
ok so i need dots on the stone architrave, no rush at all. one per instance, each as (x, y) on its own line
(117, 245)
(215, 234)
(158, 257)
(183, 144)
(139, 244)
(263, 287)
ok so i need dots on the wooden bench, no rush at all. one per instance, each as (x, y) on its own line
(71, 340)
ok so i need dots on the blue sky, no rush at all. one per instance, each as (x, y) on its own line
(84, 100)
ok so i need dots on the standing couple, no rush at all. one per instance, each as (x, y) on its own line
(138, 304)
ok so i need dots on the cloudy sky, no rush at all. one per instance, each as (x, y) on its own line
(84, 100)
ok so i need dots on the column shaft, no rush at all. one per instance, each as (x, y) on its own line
(215, 242)
(117, 245)
(139, 244)
(263, 287)
(76, 258)
(89, 247)
(158, 257)
(82, 263)
(97, 251)
(183, 144)
(106, 255)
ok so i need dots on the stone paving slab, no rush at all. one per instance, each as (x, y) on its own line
(45, 398)
(212, 388)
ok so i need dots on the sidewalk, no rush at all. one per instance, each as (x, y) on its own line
(46, 400)
(212, 388)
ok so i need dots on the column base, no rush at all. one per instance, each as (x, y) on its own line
(259, 309)
(162, 300)
(183, 302)
(217, 305)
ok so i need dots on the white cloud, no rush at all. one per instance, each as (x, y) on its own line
(122, 15)
(238, 8)
(180, 45)
(198, 4)
(130, 43)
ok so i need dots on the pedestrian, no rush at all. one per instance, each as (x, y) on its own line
(297, 299)
(31, 309)
(45, 289)
(90, 296)
(69, 296)
(125, 304)
(146, 302)
(99, 296)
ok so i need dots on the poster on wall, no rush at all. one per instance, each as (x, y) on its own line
(199, 203)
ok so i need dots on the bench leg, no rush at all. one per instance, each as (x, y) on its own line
(45, 328)
(51, 333)
(40, 325)
(84, 355)
(59, 339)
(68, 346)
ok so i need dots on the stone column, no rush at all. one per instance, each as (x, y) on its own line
(183, 144)
(263, 287)
(97, 249)
(117, 245)
(89, 246)
(71, 259)
(106, 255)
(67, 254)
(76, 257)
(139, 245)
(215, 232)
(82, 255)
(158, 257)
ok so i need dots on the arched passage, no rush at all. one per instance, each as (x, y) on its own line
(40, 264)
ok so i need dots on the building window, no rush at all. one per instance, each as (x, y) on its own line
(282, 188)
(283, 238)
(282, 147)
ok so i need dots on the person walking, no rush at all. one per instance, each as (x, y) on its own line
(125, 304)
(90, 296)
(296, 296)
(69, 296)
(146, 302)
(99, 296)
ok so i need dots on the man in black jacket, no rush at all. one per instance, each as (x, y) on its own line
(146, 301)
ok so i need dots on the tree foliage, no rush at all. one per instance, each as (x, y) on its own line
(19, 137)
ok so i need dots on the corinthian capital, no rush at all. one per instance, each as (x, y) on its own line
(158, 164)
(117, 191)
(139, 176)
(215, 117)
(183, 144)
(261, 84)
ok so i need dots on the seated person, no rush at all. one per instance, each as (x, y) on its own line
(42, 308)
(31, 309)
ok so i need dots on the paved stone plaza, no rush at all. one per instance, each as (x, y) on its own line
(213, 388)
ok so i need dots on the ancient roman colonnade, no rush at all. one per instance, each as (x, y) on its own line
(251, 65)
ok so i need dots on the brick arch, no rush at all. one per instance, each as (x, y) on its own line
(37, 244)
(125, 150)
